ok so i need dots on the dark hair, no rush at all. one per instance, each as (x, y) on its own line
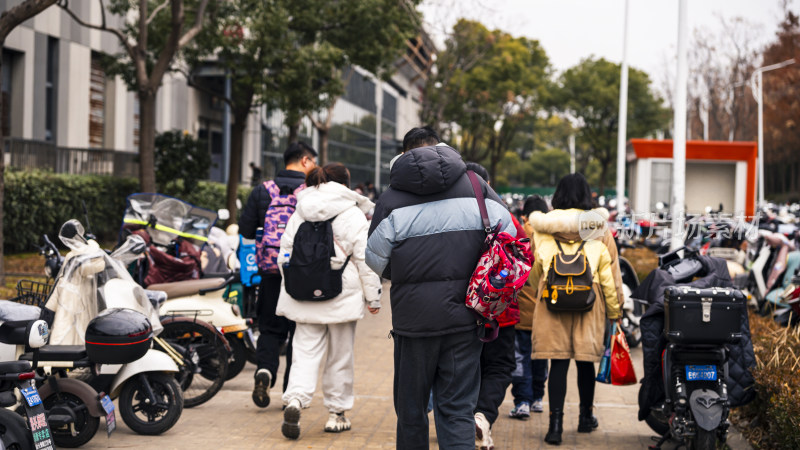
(572, 192)
(534, 203)
(419, 137)
(296, 152)
(336, 172)
(479, 170)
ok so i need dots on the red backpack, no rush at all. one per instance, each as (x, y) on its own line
(501, 252)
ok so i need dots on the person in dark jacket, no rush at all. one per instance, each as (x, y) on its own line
(426, 237)
(274, 330)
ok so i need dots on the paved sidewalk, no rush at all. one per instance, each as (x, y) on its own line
(231, 421)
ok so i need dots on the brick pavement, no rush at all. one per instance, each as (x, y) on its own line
(231, 421)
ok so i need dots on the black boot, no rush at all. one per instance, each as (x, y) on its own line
(586, 421)
(553, 436)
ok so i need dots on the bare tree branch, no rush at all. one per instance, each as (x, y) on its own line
(198, 24)
(64, 4)
(156, 11)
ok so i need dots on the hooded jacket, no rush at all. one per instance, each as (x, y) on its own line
(426, 236)
(578, 335)
(317, 204)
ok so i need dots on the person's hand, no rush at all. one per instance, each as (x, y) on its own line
(373, 310)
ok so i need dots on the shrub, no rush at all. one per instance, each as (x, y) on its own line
(179, 156)
(38, 202)
(772, 420)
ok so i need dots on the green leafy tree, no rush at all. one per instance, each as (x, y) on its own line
(490, 83)
(334, 38)
(179, 156)
(9, 20)
(590, 92)
(151, 36)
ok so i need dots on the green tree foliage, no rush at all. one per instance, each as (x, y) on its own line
(179, 156)
(487, 84)
(590, 92)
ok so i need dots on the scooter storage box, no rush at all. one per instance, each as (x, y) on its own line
(703, 316)
(118, 336)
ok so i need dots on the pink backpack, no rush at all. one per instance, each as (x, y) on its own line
(501, 251)
(281, 208)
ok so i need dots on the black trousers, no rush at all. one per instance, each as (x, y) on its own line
(449, 365)
(497, 363)
(557, 383)
(273, 330)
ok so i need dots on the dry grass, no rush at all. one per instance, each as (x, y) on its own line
(31, 264)
(643, 260)
(773, 419)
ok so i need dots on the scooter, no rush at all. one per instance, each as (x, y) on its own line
(19, 325)
(150, 399)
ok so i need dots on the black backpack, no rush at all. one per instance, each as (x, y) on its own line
(569, 282)
(309, 276)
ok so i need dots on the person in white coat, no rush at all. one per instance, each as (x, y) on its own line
(328, 326)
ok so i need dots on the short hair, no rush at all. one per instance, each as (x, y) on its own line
(331, 172)
(420, 137)
(572, 191)
(479, 170)
(296, 151)
(534, 203)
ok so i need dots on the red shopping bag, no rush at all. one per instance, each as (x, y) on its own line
(622, 373)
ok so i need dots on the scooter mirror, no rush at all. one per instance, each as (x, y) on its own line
(38, 333)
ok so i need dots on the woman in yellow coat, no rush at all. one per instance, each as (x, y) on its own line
(562, 336)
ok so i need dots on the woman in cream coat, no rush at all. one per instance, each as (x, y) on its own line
(328, 327)
(563, 336)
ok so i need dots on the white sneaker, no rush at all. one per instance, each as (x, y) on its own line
(337, 422)
(291, 419)
(483, 433)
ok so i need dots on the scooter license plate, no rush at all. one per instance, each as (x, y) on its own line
(31, 396)
(111, 419)
(701, 373)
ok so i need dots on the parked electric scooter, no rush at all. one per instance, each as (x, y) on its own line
(93, 289)
(19, 325)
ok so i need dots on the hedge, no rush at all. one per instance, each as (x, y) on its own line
(38, 202)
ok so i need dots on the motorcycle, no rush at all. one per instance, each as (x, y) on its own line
(702, 326)
(20, 325)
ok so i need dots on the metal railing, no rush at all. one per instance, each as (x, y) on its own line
(31, 154)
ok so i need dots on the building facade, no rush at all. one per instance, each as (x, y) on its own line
(56, 95)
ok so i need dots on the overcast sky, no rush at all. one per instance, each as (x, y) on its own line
(570, 30)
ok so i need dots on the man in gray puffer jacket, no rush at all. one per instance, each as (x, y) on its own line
(426, 237)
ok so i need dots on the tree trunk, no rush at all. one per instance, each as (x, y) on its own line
(147, 140)
(235, 169)
(294, 130)
(323, 145)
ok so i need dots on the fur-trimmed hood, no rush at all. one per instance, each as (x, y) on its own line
(571, 224)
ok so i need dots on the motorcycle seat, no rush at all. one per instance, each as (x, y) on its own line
(189, 287)
(59, 353)
(7, 367)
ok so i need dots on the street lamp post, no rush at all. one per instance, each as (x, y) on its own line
(756, 79)
(679, 138)
(623, 119)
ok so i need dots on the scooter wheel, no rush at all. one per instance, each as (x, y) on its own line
(143, 416)
(658, 422)
(86, 426)
(238, 357)
(14, 435)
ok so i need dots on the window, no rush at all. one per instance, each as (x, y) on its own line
(361, 92)
(5, 114)
(51, 94)
(660, 183)
(97, 100)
